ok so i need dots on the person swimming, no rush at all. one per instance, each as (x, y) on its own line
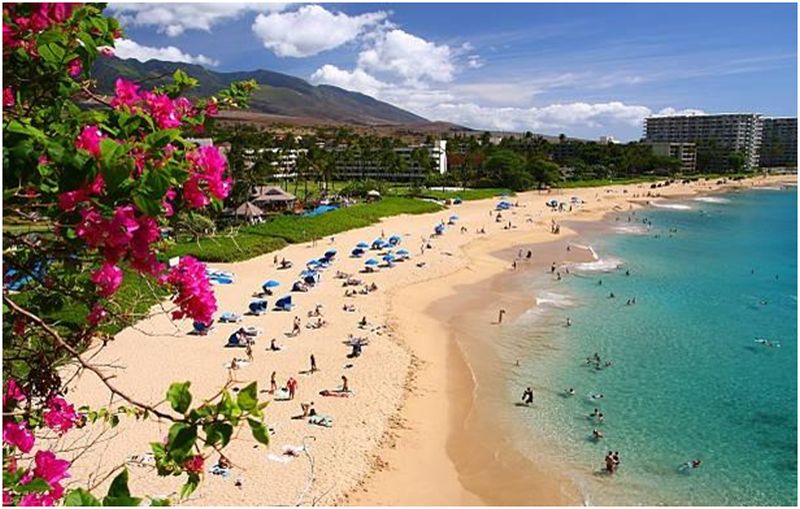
(570, 391)
(597, 434)
(598, 395)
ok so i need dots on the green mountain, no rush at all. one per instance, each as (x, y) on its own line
(278, 94)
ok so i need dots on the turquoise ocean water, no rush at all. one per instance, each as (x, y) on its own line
(688, 379)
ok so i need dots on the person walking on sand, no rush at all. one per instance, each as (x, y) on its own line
(296, 326)
(249, 351)
(500, 316)
(345, 386)
(273, 385)
(291, 384)
(313, 363)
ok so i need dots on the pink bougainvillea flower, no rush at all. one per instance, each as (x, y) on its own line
(106, 51)
(97, 314)
(207, 169)
(8, 94)
(108, 278)
(162, 109)
(126, 93)
(211, 107)
(50, 468)
(194, 464)
(37, 500)
(93, 227)
(68, 200)
(75, 67)
(195, 298)
(89, 140)
(60, 416)
(18, 435)
(13, 392)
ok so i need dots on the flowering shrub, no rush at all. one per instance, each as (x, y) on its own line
(103, 176)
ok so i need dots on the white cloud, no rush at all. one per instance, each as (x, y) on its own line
(126, 48)
(666, 112)
(463, 105)
(356, 80)
(175, 18)
(311, 29)
(409, 57)
(474, 62)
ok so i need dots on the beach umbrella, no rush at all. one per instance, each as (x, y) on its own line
(372, 262)
(454, 218)
(357, 252)
(402, 252)
(330, 253)
(389, 257)
(248, 210)
(312, 261)
(271, 283)
(362, 245)
(439, 229)
(307, 273)
(395, 239)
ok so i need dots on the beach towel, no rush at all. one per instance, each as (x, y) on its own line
(282, 395)
(218, 470)
(335, 394)
(321, 420)
(279, 459)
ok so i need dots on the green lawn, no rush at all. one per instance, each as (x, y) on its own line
(466, 194)
(263, 238)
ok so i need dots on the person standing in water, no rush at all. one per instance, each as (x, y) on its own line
(500, 316)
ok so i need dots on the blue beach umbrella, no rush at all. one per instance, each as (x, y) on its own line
(362, 245)
(271, 283)
(439, 229)
(357, 252)
(389, 258)
(330, 253)
(454, 217)
(372, 262)
(395, 239)
(402, 252)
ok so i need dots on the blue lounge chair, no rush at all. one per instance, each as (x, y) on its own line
(258, 307)
(229, 317)
(201, 329)
(284, 303)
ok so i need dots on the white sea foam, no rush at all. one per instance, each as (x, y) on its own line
(599, 265)
(712, 199)
(556, 300)
(674, 206)
(631, 230)
(768, 188)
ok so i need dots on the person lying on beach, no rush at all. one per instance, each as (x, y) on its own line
(316, 312)
(363, 322)
(349, 307)
(350, 293)
(273, 346)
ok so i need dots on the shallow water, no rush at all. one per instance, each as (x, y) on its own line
(688, 379)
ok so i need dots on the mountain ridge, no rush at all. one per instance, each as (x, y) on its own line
(278, 94)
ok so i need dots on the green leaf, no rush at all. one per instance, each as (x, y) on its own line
(118, 492)
(179, 396)
(218, 432)
(159, 502)
(190, 485)
(259, 430)
(181, 440)
(161, 138)
(248, 397)
(52, 53)
(37, 485)
(80, 498)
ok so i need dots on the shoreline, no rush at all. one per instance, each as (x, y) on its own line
(387, 486)
(391, 443)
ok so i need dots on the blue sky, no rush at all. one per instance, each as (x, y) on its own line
(583, 69)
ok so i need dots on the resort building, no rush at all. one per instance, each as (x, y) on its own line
(271, 198)
(720, 136)
(407, 167)
(283, 161)
(686, 153)
(779, 143)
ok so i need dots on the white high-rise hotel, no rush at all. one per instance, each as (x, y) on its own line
(736, 132)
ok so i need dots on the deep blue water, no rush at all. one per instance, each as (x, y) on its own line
(688, 379)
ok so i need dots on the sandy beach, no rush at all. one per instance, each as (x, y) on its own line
(411, 433)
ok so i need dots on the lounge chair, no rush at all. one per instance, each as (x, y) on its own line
(201, 329)
(299, 286)
(230, 317)
(284, 303)
(258, 307)
(321, 420)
